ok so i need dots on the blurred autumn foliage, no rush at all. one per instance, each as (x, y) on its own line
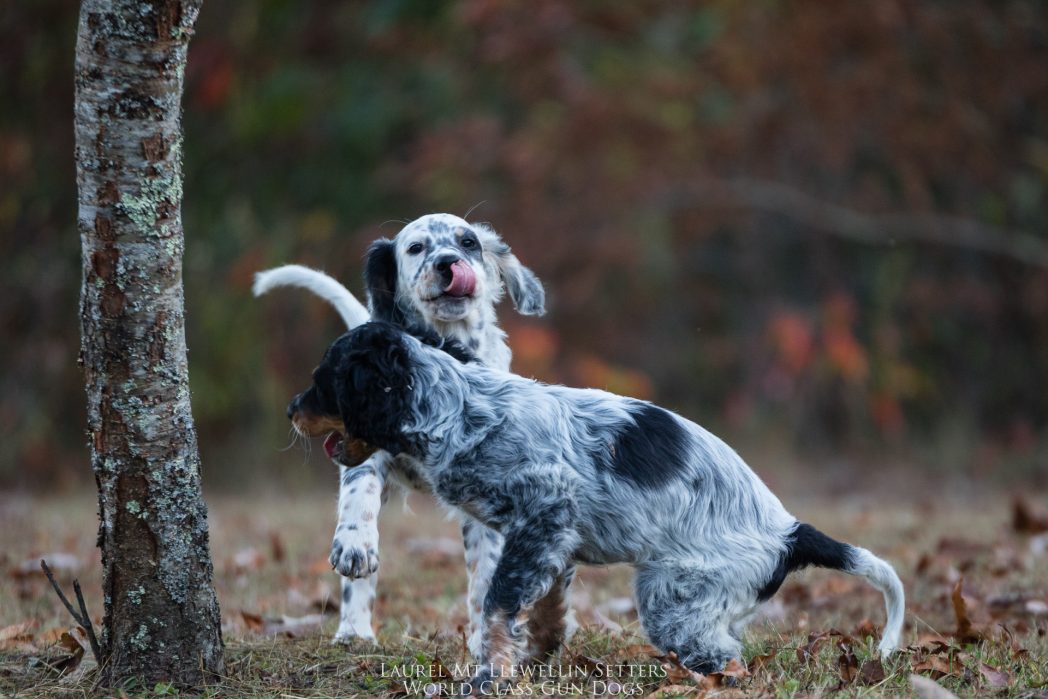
(779, 217)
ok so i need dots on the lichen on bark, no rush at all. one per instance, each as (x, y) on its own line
(161, 615)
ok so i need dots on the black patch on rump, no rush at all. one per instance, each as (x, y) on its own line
(649, 452)
(807, 546)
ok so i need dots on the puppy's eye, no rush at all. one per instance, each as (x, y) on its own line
(469, 243)
(415, 248)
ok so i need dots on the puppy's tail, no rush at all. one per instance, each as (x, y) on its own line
(352, 311)
(808, 546)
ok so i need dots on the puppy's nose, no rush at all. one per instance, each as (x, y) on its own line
(444, 262)
(292, 407)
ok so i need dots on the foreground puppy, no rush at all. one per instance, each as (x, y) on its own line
(445, 274)
(579, 476)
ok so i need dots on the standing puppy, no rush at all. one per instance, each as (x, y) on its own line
(445, 274)
(579, 476)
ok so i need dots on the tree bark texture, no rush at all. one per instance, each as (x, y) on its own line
(161, 614)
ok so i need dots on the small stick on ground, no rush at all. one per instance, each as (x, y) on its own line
(83, 618)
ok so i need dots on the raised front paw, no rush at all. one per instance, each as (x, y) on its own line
(354, 550)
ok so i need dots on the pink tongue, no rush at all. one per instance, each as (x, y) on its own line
(463, 280)
(333, 444)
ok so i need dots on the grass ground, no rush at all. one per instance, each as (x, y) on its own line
(977, 608)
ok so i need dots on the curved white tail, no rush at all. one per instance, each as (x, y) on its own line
(352, 311)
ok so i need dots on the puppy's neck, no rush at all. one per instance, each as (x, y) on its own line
(481, 335)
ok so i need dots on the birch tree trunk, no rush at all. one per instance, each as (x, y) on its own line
(161, 614)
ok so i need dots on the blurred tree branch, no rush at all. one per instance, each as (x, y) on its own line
(869, 229)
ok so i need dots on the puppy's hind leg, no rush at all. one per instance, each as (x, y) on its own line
(483, 547)
(535, 554)
(552, 621)
(689, 611)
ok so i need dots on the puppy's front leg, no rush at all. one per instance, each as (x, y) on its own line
(537, 548)
(354, 548)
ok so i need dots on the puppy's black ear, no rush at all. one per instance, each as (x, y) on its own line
(380, 278)
(525, 289)
(374, 389)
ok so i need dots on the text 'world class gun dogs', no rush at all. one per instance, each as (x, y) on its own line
(570, 476)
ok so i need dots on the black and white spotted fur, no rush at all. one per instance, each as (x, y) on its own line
(583, 476)
(406, 279)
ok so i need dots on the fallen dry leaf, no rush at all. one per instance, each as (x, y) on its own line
(939, 666)
(847, 664)
(866, 629)
(993, 676)
(1025, 520)
(872, 672)
(675, 672)
(757, 662)
(729, 676)
(816, 641)
(966, 632)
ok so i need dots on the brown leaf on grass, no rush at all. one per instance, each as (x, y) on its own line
(966, 631)
(816, 641)
(866, 629)
(847, 664)
(1025, 520)
(938, 666)
(932, 643)
(675, 672)
(729, 676)
(993, 676)
(758, 662)
(872, 672)
(438, 670)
